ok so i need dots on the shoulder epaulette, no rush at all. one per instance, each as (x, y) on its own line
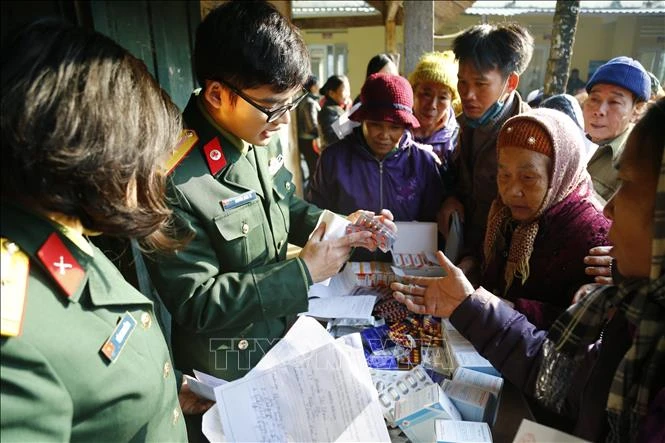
(15, 266)
(188, 139)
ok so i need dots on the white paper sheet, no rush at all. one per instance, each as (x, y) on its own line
(349, 306)
(203, 384)
(335, 225)
(305, 335)
(212, 426)
(533, 432)
(335, 228)
(325, 394)
(415, 237)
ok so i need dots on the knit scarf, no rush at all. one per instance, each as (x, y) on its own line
(642, 301)
(568, 175)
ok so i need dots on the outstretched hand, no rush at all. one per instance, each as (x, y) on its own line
(438, 296)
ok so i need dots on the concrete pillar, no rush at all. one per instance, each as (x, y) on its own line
(418, 31)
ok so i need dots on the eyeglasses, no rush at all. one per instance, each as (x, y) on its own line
(271, 114)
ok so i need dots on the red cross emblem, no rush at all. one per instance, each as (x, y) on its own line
(61, 264)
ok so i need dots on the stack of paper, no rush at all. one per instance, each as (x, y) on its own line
(308, 387)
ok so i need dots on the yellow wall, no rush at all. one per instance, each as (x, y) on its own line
(598, 37)
(362, 44)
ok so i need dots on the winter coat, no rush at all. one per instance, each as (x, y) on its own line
(556, 268)
(349, 177)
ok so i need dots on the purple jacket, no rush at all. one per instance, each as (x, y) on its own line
(348, 177)
(566, 233)
(514, 347)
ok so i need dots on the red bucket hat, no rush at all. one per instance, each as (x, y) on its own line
(387, 98)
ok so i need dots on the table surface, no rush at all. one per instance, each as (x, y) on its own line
(512, 409)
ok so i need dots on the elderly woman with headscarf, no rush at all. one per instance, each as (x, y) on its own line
(600, 366)
(545, 218)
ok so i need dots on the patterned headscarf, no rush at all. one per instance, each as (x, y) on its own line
(568, 174)
(642, 301)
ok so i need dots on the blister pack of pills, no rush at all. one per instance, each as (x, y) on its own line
(394, 385)
(384, 237)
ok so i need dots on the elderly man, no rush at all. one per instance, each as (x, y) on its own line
(618, 92)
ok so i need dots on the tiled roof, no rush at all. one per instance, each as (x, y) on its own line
(308, 9)
(517, 7)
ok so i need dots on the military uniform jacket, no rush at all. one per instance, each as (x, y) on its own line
(231, 290)
(57, 382)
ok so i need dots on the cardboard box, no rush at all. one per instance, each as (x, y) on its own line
(371, 273)
(462, 353)
(417, 412)
(414, 250)
(488, 382)
(453, 431)
(472, 402)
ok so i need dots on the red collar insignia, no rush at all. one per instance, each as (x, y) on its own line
(214, 156)
(61, 264)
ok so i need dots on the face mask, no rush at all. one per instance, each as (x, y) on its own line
(491, 112)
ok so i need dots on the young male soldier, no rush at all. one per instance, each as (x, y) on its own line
(491, 59)
(231, 291)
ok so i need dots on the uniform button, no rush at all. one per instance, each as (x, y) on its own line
(176, 415)
(146, 320)
(245, 228)
(167, 369)
(288, 186)
(243, 344)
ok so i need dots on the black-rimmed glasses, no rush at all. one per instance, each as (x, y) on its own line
(271, 114)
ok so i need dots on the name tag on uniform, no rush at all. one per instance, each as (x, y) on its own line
(275, 163)
(118, 339)
(239, 200)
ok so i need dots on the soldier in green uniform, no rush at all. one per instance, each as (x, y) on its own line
(231, 292)
(84, 130)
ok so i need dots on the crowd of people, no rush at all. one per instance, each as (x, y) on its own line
(566, 299)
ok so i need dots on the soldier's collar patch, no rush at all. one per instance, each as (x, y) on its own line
(275, 164)
(188, 139)
(61, 264)
(214, 156)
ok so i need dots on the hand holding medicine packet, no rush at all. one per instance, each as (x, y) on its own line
(384, 236)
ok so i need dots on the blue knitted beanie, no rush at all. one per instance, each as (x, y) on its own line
(626, 73)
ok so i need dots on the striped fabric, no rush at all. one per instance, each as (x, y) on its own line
(643, 303)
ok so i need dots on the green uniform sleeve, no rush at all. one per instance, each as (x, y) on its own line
(304, 217)
(203, 296)
(35, 404)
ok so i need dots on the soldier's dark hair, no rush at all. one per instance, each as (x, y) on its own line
(84, 124)
(507, 47)
(250, 44)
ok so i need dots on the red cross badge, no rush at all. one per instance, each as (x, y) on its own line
(61, 264)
